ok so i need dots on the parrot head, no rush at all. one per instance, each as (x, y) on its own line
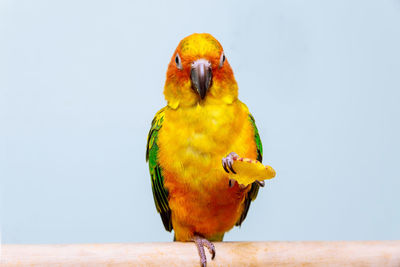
(199, 73)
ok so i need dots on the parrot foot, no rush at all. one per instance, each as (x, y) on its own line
(200, 244)
(228, 161)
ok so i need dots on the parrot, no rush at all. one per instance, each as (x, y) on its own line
(192, 143)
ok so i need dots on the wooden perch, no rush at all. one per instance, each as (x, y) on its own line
(369, 253)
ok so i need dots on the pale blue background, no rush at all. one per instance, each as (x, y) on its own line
(81, 80)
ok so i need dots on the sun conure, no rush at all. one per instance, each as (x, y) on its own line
(203, 124)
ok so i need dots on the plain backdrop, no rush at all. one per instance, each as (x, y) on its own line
(80, 82)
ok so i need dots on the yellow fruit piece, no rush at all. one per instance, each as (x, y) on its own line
(249, 170)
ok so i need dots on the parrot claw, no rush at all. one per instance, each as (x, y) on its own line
(230, 167)
(260, 183)
(224, 165)
(228, 161)
(200, 244)
(243, 187)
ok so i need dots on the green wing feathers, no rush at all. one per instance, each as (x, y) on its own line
(252, 194)
(257, 139)
(160, 193)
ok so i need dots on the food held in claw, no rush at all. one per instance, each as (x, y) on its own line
(250, 170)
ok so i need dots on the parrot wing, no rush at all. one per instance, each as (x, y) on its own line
(252, 194)
(160, 193)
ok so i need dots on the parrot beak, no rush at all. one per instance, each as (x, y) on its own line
(201, 76)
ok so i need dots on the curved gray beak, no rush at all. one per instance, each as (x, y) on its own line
(201, 76)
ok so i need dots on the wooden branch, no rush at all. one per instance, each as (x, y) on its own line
(369, 253)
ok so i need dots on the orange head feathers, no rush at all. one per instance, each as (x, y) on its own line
(199, 73)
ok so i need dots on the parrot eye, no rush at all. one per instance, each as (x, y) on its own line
(178, 61)
(222, 60)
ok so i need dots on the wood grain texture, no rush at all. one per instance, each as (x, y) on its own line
(363, 253)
